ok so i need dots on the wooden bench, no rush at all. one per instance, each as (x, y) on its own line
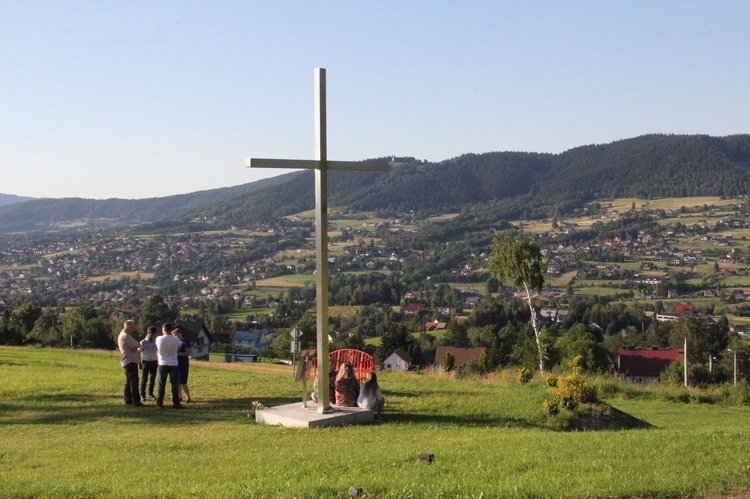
(362, 362)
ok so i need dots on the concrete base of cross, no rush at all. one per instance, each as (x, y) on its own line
(297, 416)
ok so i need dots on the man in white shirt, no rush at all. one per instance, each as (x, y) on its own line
(166, 347)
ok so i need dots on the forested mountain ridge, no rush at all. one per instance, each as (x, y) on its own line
(657, 166)
(509, 184)
(6, 199)
(495, 185)
(50, 213)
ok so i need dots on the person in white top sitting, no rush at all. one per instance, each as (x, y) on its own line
(370, 396)
(166, 347)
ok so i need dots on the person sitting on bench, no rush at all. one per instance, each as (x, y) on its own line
(347, 386)
(370, 396)
(331, 388)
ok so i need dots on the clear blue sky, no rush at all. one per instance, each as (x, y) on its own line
(136, 99)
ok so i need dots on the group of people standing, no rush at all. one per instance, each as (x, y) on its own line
(345, 390)
(159, 357)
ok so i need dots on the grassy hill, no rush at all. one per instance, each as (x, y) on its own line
(66, 433)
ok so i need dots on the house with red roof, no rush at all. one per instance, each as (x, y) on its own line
(644, 365)
(435, 325)
(412, 309)
(461, 355)
(684, 308)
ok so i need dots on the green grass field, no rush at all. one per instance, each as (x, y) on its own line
(66, 433)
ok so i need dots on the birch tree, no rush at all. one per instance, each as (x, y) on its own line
(517, 259)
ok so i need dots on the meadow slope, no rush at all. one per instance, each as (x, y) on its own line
(66, 433)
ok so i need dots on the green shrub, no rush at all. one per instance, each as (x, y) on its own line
(698, 375)
(609, 387)
(449, 361)
(577, 363)
(551, 407)
(738, 395)
(673, 374)
(573, 389)
(484, 363)
(473, 367)
(551, 380)
(524, 375)
(704, 398)
(683, 397)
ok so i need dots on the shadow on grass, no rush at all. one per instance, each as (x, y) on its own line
(464, 420)
(603, 417)
(73, 409)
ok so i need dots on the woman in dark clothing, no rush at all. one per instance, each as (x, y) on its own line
(183, 363)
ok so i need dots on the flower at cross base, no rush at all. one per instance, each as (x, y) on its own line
(254, 407)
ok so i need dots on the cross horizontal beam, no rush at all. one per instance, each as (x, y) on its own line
(313, 164)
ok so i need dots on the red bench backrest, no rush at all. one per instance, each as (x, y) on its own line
(361, 361)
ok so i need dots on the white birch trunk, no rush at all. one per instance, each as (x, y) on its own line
(537, 333)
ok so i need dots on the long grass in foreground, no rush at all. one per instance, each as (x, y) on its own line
(66, 433)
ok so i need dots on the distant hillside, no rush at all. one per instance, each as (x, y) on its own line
(510, 184)
(6, 199)
(493, 186)
(47, 214)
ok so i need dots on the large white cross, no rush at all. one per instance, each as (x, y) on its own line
(321, 165)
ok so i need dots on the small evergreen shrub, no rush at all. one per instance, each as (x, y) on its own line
(551, 380)
(449, 361)
(524, 375)
(551, 407)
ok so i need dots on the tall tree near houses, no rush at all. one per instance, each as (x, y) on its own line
(518, 260)
(155, 312)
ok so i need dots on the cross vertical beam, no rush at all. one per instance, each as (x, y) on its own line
(321, 238)
(321, 165)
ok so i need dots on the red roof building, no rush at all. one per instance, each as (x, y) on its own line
(684, 308)
(461, 355)
(644, 365)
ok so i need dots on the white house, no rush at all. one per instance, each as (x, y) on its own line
(399, 360)
(198, 336)
(254, 340)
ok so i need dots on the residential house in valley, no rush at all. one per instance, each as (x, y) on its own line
(198, 336)
(252, 340)
(399, 360)
(644, 365)
(461, 355)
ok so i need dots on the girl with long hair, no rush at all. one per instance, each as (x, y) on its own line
(370, 396)
(347, 386)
